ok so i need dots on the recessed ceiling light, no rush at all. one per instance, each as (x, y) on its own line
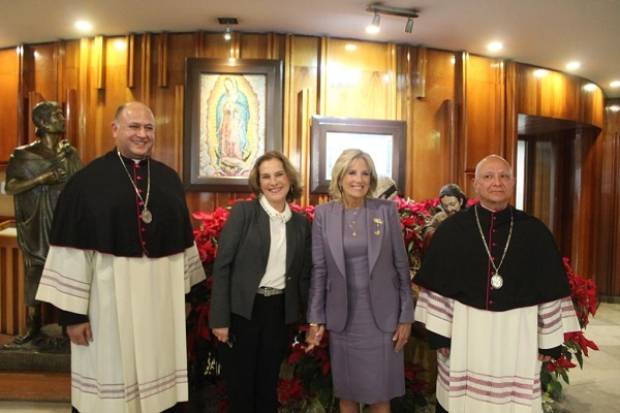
(615, 83)
(540, 73)
(120, 44)
(83, 26)
(574, 65)
(494, 47)
(614, 108)
(590, 87)
(350, 47)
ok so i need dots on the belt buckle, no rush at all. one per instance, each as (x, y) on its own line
(268, 291)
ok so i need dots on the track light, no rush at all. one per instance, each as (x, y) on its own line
(378, 8)
(373, 27)
(228, 22)
(409, 25)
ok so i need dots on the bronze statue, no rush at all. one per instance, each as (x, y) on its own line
(35, 175)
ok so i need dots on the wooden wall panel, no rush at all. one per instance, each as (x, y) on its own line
(45, 70)
(9, 78)
(434, 128)
(484, 110)
(606, 215)
(360, 80)
(557, 95)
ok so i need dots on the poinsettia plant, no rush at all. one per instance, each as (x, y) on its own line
(576, 345)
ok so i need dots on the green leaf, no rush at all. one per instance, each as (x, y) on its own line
(579, 358)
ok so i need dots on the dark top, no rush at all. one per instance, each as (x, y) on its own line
(457, 266)
(99, 210)
(243, 251)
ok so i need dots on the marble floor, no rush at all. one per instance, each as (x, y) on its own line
(595, 389)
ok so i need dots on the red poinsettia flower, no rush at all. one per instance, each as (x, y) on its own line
(290, 391)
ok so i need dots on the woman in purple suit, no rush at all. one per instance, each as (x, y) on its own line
(360, 289)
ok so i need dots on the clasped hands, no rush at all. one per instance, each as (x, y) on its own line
(316, 332)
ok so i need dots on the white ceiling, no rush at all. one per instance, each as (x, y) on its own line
(545, 33)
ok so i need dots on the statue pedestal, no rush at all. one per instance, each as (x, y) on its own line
(29, 372)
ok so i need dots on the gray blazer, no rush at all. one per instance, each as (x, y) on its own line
(390, 286)
(243, 250)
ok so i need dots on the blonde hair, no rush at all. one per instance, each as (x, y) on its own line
(342, 165)
(295, 189)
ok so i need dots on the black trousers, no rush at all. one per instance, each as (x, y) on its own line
(251, 363)
(439, 409)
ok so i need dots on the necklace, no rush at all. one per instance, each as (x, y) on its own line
(496, 280)
(146, 216)
(353, 224)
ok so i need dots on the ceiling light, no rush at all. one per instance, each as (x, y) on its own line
(83, 26)
(614, 108)
(120, 44)
(379, 8)
(228, 34)
(540, 73)
(373, 28)
(350, 47)
(409, 25)
(590, 87)
(574, 65)
(614, 83)
(494, 47)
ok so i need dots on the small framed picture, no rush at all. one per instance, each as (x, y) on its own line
(383, 140)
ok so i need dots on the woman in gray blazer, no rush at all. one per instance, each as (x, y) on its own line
(260, 283)
(360, 289)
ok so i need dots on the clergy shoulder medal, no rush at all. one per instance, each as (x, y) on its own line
(497, 281)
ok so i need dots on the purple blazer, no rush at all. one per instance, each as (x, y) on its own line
(390, 286)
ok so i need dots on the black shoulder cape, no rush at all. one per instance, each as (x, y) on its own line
(98, 210)
(457, 266)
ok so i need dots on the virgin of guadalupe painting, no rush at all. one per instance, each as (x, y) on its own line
(232, 130)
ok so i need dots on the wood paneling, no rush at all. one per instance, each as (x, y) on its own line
(458, 107)
(484, 110)
(606, 215)
(558, 95)
(432, 128)
(360, 80)
(12, 308)
(9, 76)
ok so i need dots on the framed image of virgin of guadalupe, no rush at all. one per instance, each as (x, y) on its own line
(233, 114)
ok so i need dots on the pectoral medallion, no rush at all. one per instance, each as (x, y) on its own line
(497, 281)
(146, 216)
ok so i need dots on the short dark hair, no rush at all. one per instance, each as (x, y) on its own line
(41, 113)
(295, 189)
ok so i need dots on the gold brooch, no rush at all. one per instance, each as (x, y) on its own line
(378, 222)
